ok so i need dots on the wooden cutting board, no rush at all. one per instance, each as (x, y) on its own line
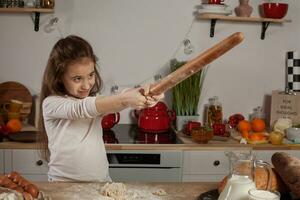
(24, 136)
(14, 90)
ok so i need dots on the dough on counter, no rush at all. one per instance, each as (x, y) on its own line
(160, 192)
(117, 191)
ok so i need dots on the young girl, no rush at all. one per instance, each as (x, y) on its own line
(70, 121)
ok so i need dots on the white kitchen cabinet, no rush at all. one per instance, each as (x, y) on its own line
(1, 161)
(205, 166)
(27, 162)
(266, 155)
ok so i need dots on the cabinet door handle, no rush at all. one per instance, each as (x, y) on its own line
(216, 163)
(39, 162)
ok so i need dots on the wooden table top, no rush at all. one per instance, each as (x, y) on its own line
(87, 191)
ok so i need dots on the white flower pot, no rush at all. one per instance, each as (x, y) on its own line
(182, 120)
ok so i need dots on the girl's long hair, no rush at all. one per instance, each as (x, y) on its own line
(66, 51)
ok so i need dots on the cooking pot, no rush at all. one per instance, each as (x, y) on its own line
(155, 119)
(108, 121)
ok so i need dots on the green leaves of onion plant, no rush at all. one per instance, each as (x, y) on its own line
(186, 94)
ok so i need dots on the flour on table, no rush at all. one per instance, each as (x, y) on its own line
(8, 196)
(80, 192)
(115, 190)
(118, 191)
(111, 191)
(160, 192)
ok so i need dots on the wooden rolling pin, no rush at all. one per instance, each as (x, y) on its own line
(195, 65)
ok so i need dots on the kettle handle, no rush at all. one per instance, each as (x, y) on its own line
(136, 113)
(172, 114)
(117, 117)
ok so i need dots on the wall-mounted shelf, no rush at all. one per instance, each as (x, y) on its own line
(265, 21)
(37, 12)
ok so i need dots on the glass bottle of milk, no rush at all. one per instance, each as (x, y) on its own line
(241, 177)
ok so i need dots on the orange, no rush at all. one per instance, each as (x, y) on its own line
(14, 125)
(257, 136)
(258, 125)
(245, 134)
(244, 126)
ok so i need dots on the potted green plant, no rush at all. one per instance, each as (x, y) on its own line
(186, 95)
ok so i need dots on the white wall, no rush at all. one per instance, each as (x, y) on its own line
(135, 39)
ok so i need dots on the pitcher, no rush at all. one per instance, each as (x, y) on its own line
(241, 178)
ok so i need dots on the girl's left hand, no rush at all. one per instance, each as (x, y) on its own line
(150, 100)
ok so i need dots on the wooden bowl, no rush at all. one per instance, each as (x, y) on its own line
(201, 135)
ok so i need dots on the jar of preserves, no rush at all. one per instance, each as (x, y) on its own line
(213, 112)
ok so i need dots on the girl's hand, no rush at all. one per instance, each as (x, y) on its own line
(150, 100)
(134, 98)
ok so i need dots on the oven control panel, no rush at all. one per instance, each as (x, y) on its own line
(132, 158)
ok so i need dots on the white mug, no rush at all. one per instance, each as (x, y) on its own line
(256, 194)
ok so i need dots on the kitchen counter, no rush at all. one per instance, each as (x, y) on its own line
(88, 191)
(188, 144)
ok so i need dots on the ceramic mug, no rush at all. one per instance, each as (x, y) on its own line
(109, 120)
(256, 194)
(215, 1)
(13, 106)
(13, 115)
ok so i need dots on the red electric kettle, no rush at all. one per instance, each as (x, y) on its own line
(108, 121)
(155, 119)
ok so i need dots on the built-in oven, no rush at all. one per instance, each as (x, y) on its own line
(150, 166)
(143, 165)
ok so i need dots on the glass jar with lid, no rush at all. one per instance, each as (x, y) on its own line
(213, 112)
(258, 113)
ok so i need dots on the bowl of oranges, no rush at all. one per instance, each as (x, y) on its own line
(254, 131)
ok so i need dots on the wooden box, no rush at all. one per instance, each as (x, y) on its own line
(285, 105)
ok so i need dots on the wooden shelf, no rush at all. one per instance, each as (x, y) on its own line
(26, 10)
(265, 21)
(36, 11)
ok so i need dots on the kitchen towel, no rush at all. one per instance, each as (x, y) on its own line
(293, 72)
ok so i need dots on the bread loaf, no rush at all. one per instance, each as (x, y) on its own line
(18, 183)
(261, 181)
(288, 167)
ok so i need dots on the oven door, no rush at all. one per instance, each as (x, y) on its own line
(148, 166)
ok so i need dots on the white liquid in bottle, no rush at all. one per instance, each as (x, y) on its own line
(237, 188)
(263, 195)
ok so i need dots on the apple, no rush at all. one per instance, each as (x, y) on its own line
(275, 137)
(234, 119)
(192, 125)
(4, 130)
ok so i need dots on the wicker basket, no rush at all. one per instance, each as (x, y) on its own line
(201, 135)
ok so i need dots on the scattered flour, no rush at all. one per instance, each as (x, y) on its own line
(160, 192)
(118, 191)
(8, 196)
(115, 190)
(110, 191)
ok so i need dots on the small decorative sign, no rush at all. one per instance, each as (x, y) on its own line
(285, 105)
